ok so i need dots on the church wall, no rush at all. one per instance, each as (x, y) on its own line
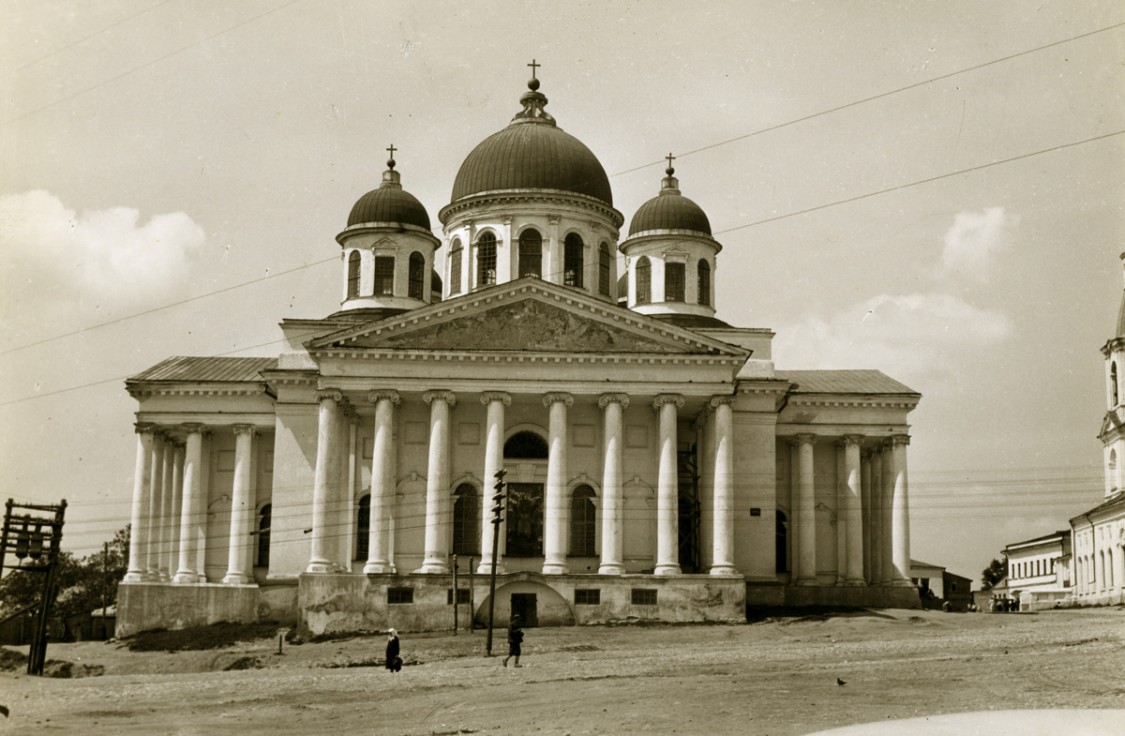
(755, 464)
(220, 484)
(639, 465)
(294, 465)
(825, 493)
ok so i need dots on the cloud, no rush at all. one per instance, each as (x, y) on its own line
(99, 262)
(906, 336)
(974, 241)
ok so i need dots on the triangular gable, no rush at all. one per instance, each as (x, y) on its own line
(527, 315)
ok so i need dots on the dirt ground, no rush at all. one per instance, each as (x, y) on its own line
(772, 677)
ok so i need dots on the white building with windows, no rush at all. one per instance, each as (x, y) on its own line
(1099, 534)
(658, 465)
(1039, 573)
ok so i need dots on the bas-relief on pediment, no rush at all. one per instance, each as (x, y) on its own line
(527, 325)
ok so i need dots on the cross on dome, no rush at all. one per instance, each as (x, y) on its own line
(534, 66)
(391, 161)
(669, 171)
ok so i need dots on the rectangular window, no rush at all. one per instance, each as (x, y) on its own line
(674, 282)
(384, 275)
(455, 273)
(462, 596)
(644, 597)
(587, 596)
(400, 595)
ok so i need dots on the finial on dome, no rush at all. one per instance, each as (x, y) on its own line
(670, 184)
(391, 160)
(390, 176)
(533, 83)
(533, 102)
(669, 171)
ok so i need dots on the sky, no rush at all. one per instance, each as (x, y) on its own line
(930, 189)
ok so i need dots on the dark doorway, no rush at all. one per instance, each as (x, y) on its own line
(525, 520)
(781, 548)
(524, 606)
(688, 479)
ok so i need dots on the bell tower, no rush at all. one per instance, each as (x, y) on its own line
(1113, 426)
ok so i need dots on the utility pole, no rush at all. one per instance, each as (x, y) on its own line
(456, 596)
(36, 540)
(497, 510)
(105, 573)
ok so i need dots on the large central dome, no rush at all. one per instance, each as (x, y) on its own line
(532, 153)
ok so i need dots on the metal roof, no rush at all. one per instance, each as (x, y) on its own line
(186, 368)
(845, 382)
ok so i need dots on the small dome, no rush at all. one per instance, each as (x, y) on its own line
(670, 210)
(532, 153)
(390, 203)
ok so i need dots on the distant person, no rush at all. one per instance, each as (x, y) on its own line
(515, 639)
(393, 662)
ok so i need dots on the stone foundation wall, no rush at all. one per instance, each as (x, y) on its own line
(147, 606)
(776, 596)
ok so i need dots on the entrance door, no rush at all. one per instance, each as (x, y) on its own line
(525, 520)
(524, 606)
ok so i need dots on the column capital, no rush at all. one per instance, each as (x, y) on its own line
(802, 439)
(329, 393)
(606, 399)
(556, 397)
(849, 439)
(554, 219)
(717, 401)
(192, 427)
(384, 395)
(663, 399)
(503, 397)
(244, 429)
(448, 397)
(898, 440)
(144, 428)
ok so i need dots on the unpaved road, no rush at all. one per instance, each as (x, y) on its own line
(773, 677)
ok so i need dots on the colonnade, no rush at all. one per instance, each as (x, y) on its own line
(872, 513)
(168, 532)
(325, 559)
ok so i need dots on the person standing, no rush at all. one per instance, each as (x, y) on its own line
(393, 661)
(515, 639)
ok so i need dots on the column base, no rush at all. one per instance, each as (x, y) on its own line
(611, 568)
(855, 583)
(433, 567)
(134, 576)
(237, 578)
(379, 568)
(485, 568)
(807, 582)
(185, 577)
(667, 570)
(320, 567)
(555, 568)
(726, 571)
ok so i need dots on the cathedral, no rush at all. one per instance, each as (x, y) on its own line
(554, 399)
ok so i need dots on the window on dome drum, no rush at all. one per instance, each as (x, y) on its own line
(362, 527)
(704, 270)
(466, 520)
(644, 281)
(531, 254)
(486, 260)
(674, 278)
(582, 526)
(262, 559)
(572, 260)
(603, 269)
(455, 267)
(353, 274)
(417, 275)
(384, 275)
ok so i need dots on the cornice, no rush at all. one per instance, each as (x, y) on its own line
(868, 402)
(448, 214)
(198, 390)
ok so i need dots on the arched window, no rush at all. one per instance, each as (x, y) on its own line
(572, 260)
(582, 524)
(704, 271)
(525, 446)
(644, 281)
(531, 253)
(466, 520)
(781, 543)
(604, 262)
(262, 559)
(674, 277)
(417, 275)
(1113, 382)
(486, 259)
(353, 274)
(362, 527)
(455, 267)
(384, 275)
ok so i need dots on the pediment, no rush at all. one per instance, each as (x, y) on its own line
(527, 316)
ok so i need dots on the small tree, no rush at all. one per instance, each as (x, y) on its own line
(993, 574)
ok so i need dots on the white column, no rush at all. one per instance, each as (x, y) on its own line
(853, 570)
(612, 562)
(339, 507)
(723, 537)
(900, 512)
(193, 518)
(437, 483)
(139, 516)
(841, 514)
(320, 558)
(241, 508)
(494, 401)
(876, 530)
(794, 510)
(553, 263)
(865, 512)
(174, 516)
(383, 489)
(156, 509)
(166, 510)
(667, 488)
(557, 508)
(888, 564)
(806, 499)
